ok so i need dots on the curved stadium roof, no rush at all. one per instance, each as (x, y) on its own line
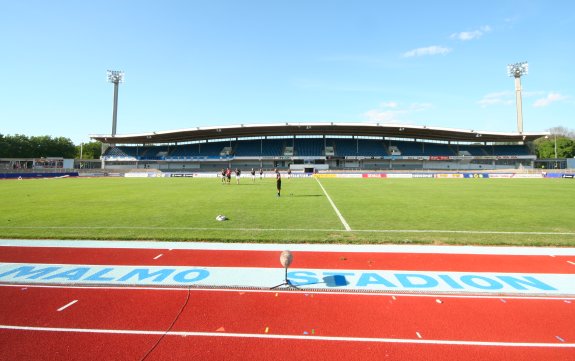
(289, 129)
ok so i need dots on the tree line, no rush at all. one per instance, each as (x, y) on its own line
(21, 146)
(559, 144)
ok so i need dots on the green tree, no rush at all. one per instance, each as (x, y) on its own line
(545, 147)
(21, 146)
(91, 150)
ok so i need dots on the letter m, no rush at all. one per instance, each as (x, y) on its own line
(143, 273)
(29, 272)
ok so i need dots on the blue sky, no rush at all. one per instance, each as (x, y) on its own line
(215, 62)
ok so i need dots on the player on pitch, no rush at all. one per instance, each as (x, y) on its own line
(278, 182)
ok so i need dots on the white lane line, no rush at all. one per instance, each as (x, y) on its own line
(418, 334)
(66, 306)
(158, 256)
(573, 263)
(347, 227)
(293, 337)
(566, 299)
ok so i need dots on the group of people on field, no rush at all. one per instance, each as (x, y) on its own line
(227, 176)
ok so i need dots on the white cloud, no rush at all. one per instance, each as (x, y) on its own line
(384, 115)
(470, 35)
(497, 98)
(430, 50)
(416, 107)
(550, 98)
(389, 105)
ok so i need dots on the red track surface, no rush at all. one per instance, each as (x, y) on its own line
(309, 326)
(312, 260)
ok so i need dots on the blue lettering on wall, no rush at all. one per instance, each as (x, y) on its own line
(336, 279)
(481, 282)
(200, 275)
(518, 283)
(373, 279)
(445, 282)
(451, 282)
(71, 275)
(416, 280)
(143, 273)
(98, 275)
(30, 272)
(307, 277)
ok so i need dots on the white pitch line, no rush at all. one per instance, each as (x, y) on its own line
(158, 256)
(66, 306)
(293, 337)
(347, 227)
(301, 229)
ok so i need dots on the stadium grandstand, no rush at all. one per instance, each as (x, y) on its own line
(319, 146)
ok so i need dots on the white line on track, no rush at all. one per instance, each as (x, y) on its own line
(66, 306)
(292, 337)
(418, 335)
(347, 227)
(573, 263)
(394, 296)
(158, 256)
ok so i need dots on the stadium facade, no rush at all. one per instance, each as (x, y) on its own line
(319, 146)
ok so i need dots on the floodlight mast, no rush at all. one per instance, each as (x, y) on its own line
(517, 70)
(116, 77)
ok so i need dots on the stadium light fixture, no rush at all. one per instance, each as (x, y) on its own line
(516, 71)
(116, 77)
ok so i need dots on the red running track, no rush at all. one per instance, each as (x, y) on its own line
(319, 326)
(126, 323)
(311, 260)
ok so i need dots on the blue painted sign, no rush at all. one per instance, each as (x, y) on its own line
(401, 281)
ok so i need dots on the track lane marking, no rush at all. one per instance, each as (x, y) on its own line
(66, 306)
(291, 337)
(343, 221)
(566, 298)
(158, 256)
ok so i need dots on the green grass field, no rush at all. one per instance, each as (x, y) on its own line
(440, 211)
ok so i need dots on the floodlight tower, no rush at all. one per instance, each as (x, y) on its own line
(116, 77)
(517, 70)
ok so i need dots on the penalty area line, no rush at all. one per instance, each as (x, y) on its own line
(291, 337)
(347, 227)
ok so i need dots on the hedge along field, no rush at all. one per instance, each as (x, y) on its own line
(440, 211)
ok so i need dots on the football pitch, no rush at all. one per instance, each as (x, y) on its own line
(536, 212)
